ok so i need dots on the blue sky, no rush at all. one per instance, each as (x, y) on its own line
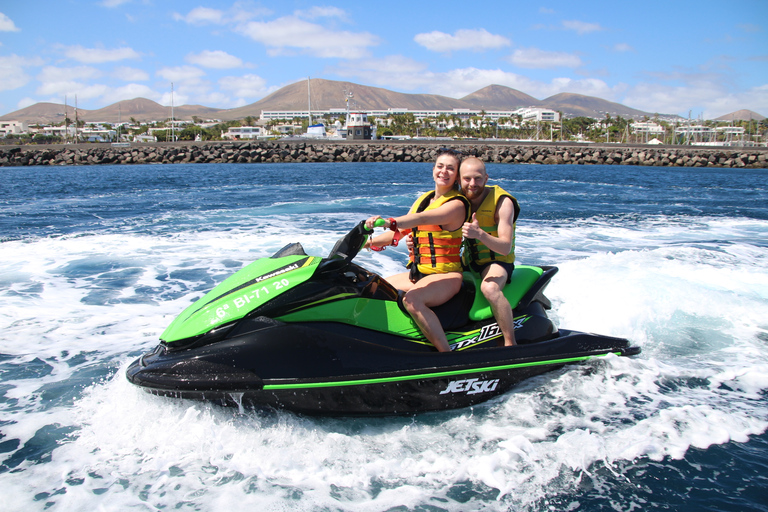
(671, 57)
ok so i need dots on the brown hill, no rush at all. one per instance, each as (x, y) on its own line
(499, 97)
(327, 94)
(741, 115)
(44, 113)
(574, 105)
(141, 109)
(144, 110)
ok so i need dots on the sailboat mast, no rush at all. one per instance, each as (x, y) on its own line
(309, 103)
(76, 120)
(173, 131)
(66, 119)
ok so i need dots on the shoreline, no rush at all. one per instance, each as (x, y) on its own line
(310, 150)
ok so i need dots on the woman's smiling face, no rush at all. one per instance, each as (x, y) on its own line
(446, 171)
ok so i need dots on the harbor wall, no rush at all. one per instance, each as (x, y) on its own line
(378, 151)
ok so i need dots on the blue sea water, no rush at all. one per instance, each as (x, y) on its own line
(96, 261)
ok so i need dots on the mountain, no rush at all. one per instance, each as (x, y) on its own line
(741, 115)
(499, 97)
(328, 94)
(575, 105)
(43, 113)
(141, 109)
(144, 110)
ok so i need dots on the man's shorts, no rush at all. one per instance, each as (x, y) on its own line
(509, 267)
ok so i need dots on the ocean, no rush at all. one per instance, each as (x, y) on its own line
(95, 261)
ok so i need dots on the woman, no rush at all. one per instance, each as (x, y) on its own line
(435, 219)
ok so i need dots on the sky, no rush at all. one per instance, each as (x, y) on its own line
(700, 58)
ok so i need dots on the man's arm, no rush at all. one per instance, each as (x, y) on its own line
(503, 243)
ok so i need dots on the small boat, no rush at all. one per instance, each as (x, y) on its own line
(325, 336)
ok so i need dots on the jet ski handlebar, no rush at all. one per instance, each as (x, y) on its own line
(349, 245)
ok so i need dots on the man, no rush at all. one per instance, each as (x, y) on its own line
(490, 240)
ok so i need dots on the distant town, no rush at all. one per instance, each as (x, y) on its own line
(529, 124)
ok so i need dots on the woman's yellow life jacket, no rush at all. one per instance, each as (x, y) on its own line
(437, 251)
(475, 251)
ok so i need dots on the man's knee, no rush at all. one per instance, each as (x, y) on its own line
(491, 289)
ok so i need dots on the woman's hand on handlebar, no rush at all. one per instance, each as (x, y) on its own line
(376, 221)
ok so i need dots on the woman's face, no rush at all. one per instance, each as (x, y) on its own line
(446, 171)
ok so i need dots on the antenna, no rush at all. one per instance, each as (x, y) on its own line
(309, 103)
(173, 131)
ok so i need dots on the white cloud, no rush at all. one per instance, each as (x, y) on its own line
(585, 86)
(247, 86)
(175, 99)
(582, 27)
(7, 24)
(12, 71)
(291, 33)
(129, 92)
(202, 16)
(534, 58)
(181, 73)
(463, 39)
(623, 47)
(321, 12)
(114, 3)
(710, 99)
(72, 88)
(401, 73)
(25, 102)
(56, 74)
(99, 55)
(128, 74)
(216, 59)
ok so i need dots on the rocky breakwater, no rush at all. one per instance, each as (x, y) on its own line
(376, 151)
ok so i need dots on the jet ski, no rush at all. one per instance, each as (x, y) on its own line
(324, 336)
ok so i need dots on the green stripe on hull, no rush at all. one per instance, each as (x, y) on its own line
(384, 380)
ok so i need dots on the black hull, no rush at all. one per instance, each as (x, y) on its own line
(329, 369)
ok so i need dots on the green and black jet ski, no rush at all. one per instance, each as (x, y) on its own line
(325, 336)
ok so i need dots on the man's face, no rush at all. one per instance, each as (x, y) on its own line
(473, 180)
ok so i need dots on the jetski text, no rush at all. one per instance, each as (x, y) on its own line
(470, 386)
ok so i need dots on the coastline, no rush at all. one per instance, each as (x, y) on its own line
(307, 150)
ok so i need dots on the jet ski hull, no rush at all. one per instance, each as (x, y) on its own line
(323, 369)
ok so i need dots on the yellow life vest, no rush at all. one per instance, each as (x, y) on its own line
(436, 250)
(477, 252)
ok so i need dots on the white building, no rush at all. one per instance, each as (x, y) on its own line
(242, 132)
(13, 128)
(536, 114)
(60, 131)
(695, 134)
(647, 128)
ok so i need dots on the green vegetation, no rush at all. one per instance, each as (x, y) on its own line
(613, 129)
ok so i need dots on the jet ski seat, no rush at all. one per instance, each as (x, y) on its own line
(454, 313)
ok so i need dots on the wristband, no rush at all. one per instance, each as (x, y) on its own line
(392, 224)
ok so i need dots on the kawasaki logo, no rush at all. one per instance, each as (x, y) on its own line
(470, 386)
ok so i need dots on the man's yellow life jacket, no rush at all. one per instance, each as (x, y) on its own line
(475, 251)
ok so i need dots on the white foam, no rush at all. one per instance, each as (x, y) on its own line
(694, 296)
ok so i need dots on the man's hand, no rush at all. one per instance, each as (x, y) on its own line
(472, 229)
